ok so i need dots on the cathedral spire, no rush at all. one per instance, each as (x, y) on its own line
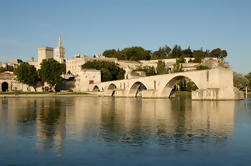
(59, 41)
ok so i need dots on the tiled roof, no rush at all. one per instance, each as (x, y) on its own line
(6, 75)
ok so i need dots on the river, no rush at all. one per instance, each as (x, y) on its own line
(124, 131)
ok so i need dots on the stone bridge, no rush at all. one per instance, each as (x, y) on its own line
(213, 84)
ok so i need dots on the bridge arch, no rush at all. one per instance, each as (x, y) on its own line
(170, 85)
(5, 87)
(136, 88)
(96, 89)
(112, 86)
(111, 89)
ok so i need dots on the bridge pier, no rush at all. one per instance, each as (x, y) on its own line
(217, 94)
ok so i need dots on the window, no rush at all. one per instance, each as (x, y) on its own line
(91, 81)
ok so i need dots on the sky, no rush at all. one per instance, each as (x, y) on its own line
(91, 26)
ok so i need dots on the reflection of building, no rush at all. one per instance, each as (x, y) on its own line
(138, 119)
(127, 120)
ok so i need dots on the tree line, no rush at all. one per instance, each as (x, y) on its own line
(138, 53)
(242, 81)
(50, 72)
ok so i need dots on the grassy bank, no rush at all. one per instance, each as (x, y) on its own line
(183, 93)
(42, 93)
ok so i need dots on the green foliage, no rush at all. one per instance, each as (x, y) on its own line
(51, 71)
(2, 69)
(176, 52)
(177, 67)
(199, 54)
(105, 75)
(131, 53)
(149, 70)
(162, 53)
(240, 81)
(27, 74)
(218, 53)
(139, 53)
(201, 67)
(181, 60)
(110, 53)
(191, 86)
(187, 52)
(248, 76)
(183, 93)
(196, 60)
(109, 70)
(161, 68)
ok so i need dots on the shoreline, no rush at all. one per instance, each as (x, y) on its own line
(82, 94)
(37, 94)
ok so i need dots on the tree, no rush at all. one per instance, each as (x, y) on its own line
(109, 70)
(218, 53)
(149, 70)
(162, 53)
(240, 81)
(2, 69)
(161, 68)
(181, 60)
(187, 52)
(51, 71)
(105, 74)
(131, 53)
(248, 76)
(176, 52)
(27, 74)
(110, 53)
(136, 53)
(177, 67)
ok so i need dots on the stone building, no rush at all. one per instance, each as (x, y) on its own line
(8, 83)
(74, 65)
(85, 78)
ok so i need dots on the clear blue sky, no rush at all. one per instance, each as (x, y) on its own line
(90, 27)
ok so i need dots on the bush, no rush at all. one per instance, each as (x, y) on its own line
(149, 70)
(181, 60)
(162, 68)
(201, 67)
(240, 81)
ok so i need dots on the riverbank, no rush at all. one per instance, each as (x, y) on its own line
(183, 93)
(43, 94)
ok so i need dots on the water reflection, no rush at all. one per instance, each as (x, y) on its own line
(52, 121)
(51, 124)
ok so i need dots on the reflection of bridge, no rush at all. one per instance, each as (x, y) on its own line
(216, 84)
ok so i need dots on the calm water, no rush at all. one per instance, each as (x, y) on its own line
(124, 131)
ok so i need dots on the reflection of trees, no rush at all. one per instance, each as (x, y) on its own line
(42, 116)
(51, 124)
(27, 113)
